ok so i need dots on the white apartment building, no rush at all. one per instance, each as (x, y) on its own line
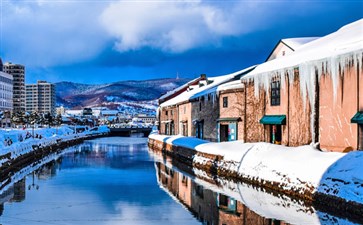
(40, 97)
(18, 73)
(6, 92)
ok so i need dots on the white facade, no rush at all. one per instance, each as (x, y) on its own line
(6, 92)
(40, 97)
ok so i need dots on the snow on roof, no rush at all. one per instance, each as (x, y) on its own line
(326, 55)
(169, 93)
(74, 112)
(296, 43)
(236, 84)
(204, 90)
(109, 112)
(345, 40)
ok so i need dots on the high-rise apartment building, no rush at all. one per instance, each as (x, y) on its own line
(18, 73)
(6, 92)
(40, 97)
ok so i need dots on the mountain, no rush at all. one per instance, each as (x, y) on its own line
(137, 94)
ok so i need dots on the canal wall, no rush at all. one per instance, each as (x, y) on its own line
(332, 181)
(14, 158)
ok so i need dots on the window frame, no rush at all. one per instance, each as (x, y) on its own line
(275, 93)
(225, 102)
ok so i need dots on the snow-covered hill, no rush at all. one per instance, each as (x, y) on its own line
(114, 95)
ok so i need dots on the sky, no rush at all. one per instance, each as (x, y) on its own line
(103, 41)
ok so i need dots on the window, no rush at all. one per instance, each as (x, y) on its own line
(275, 93)
(200, 106)
(225, 102)
(166, 113)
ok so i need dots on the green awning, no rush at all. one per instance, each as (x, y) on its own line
(357, 118)
(273, 119)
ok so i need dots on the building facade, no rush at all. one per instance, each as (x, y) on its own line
(6, 98)
(18, 73)
(40, 97)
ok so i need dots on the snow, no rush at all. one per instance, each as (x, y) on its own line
(258, 200)
(326, 55)
(22, 145)
(178, 89)
(296, 43)
(237, 84)
(198, 91)
(299, 169)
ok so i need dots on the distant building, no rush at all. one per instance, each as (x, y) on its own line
(1, 65)
(18, 73)
(40, 97)
(60, 110)
(6, 98)
(6, 92)
(146, 118)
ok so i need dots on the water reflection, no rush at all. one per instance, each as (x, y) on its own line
(216, 201)
(104, 181)
(112, 181)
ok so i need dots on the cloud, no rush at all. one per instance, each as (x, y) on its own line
(179, 26)
(173, 26)
(48, 33)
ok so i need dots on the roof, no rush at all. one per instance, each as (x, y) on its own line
(180, 89)
(201, 91)
(295, 43)
(346, 40)
(292, 43)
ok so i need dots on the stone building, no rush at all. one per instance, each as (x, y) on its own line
(312, 95)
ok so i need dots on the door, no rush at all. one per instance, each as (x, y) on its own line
(223, 133)
(199, 130)
(275, 134)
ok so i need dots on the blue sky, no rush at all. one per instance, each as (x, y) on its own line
(96, 41)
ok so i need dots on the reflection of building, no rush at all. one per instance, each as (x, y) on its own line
(208, 207)
(18, 73)
(19, 191)
(40, 97)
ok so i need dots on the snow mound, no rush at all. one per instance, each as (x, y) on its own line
(301, 168)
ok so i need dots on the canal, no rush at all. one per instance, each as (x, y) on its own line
(117, 180)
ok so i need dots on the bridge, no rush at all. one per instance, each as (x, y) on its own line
(126, 132)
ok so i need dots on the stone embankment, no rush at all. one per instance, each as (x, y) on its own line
(318, 178)
(12, 160)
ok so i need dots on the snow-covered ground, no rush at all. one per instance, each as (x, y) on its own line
(303, 169)
(22, 140)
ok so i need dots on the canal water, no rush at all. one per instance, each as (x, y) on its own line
(118, 180)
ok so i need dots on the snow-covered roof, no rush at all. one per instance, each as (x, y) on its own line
(236, 84)
(109, 112)
(74, 112)
(295, 43)
(204, 90)
(169, 93)
(345, 40)
(326, 55)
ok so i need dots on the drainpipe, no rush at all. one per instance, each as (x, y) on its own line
(245, 114)
(288, 111)
(358, 129)
(316, 106)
